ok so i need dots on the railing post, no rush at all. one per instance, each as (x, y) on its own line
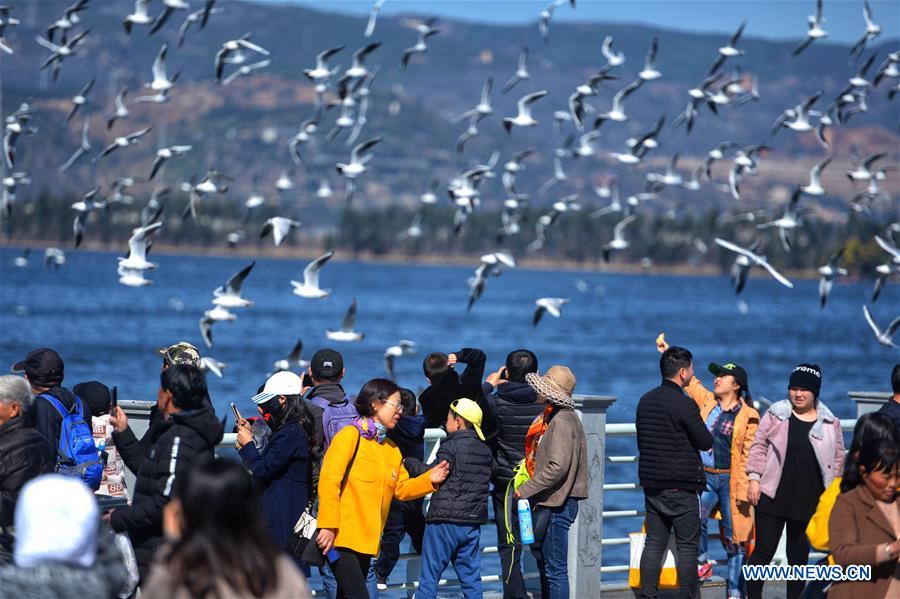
(587, 530)
(868, 401)
(138, 412)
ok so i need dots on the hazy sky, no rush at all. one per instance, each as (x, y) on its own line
(780, 19)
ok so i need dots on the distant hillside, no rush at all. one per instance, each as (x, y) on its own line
(243, 129)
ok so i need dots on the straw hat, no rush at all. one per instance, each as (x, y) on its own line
(556, 385)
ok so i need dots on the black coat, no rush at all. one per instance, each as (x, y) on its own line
(282, 473)
(670, 435)
(44, 418)
(511, 409)
(24, 454)
(168, 450)
(436, 399)
(463, 497)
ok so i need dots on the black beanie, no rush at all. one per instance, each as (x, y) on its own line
(95, 395)
(806, 376)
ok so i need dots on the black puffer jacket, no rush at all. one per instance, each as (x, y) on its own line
(168, 449)
(670, 435)
(436, 399)
(463, 497)
(512, 409)
(24, 454)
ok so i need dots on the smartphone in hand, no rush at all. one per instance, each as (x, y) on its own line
(114, 399)
(237, 415)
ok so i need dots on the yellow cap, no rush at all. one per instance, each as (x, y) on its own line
(471, 411)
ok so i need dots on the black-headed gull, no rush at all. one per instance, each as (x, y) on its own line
(357, 165)
(210, 317)
(358, 68)
(815, 30)
(404, 348)
(617, 111)
(161, 81)
(210, 364)
(797, 118)
(321, 71)
(491, 264)
(864, 172)
(814, 187)
(8, 194)
(124, 141)
(84, 147)
(549, 305)
(425, 30)
(140, 16)
(231, 52)
(373, 16)
(7, 21)
(613, 59)
(884, 272)
(309, 288)
(788, 221)
(730, 50)
(199, 16)
(521, 71)
(21, 261)
(650, 72)
(890, 67)
(137, 248)
(132, 277)
(544, 22)
(873, 30)
(58, 53)
(346, 332)
(885, 337)
(827, 274)
(55, 257)
(755, 259)
(279, 227)
(618, 241)
(523, 117)
(68, 20)
(121, 109)
(229, 294)
(164, 154)
(170, 7)
(80, 99)
(292, 360)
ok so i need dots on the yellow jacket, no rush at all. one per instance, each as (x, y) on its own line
(376, 476)
(817, 529)
(745, 426)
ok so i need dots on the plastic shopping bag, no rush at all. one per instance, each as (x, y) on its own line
(668, 576)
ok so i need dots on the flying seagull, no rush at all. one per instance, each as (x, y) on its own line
(523, 117)
(815, 31)
(82, 149)
(885, 337)
(550, 305)
(828, 273)
(521, 71)
(279, 227)
(229, 294)
(729, 50)
(755, 259)
(310, 287)
(404, 348)
(293, 359)
(425, 30)
(346, 332)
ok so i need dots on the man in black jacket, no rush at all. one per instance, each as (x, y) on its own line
(512, 407)
(670, 435)
(24, 452)
(44, 370)
(445, 385)
(459, 508)
(187, 430)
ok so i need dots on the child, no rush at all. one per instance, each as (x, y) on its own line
(405, 517)
(96, 397)
(459, 508)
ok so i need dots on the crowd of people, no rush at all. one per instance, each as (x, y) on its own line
(198, 525)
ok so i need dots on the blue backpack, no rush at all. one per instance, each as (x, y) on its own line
(77, 455)
(336, 417)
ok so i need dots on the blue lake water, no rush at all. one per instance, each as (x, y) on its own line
(109, 332)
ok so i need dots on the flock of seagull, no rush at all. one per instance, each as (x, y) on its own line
(579, 125)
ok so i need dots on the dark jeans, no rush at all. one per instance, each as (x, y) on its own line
(510, 552)
(350, 571)
(768, 533)
(551, 547)
(445, 543)
(669, 509)
(405, 517)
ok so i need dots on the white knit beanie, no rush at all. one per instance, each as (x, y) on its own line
(56, 522)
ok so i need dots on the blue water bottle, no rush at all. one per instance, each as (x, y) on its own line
(526, 533)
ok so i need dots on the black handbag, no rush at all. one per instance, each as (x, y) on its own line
(304, 547)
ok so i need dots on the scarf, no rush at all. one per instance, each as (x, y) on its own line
(533, 437)
(371, 429)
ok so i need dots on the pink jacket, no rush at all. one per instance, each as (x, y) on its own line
(766, 459)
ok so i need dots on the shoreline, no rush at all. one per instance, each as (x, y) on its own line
(400, 258)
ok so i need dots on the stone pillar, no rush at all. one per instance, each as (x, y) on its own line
(587, 530)
(138, 412)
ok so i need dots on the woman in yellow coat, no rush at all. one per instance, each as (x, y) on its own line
(731, 418)
(352, 514)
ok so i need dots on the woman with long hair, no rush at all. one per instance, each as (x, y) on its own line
(865, 523)
(361, 472)
(282, 470)
(732, 420)
(797, 452)
(218, 545)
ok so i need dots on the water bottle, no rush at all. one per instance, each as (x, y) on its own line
(526, 533)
